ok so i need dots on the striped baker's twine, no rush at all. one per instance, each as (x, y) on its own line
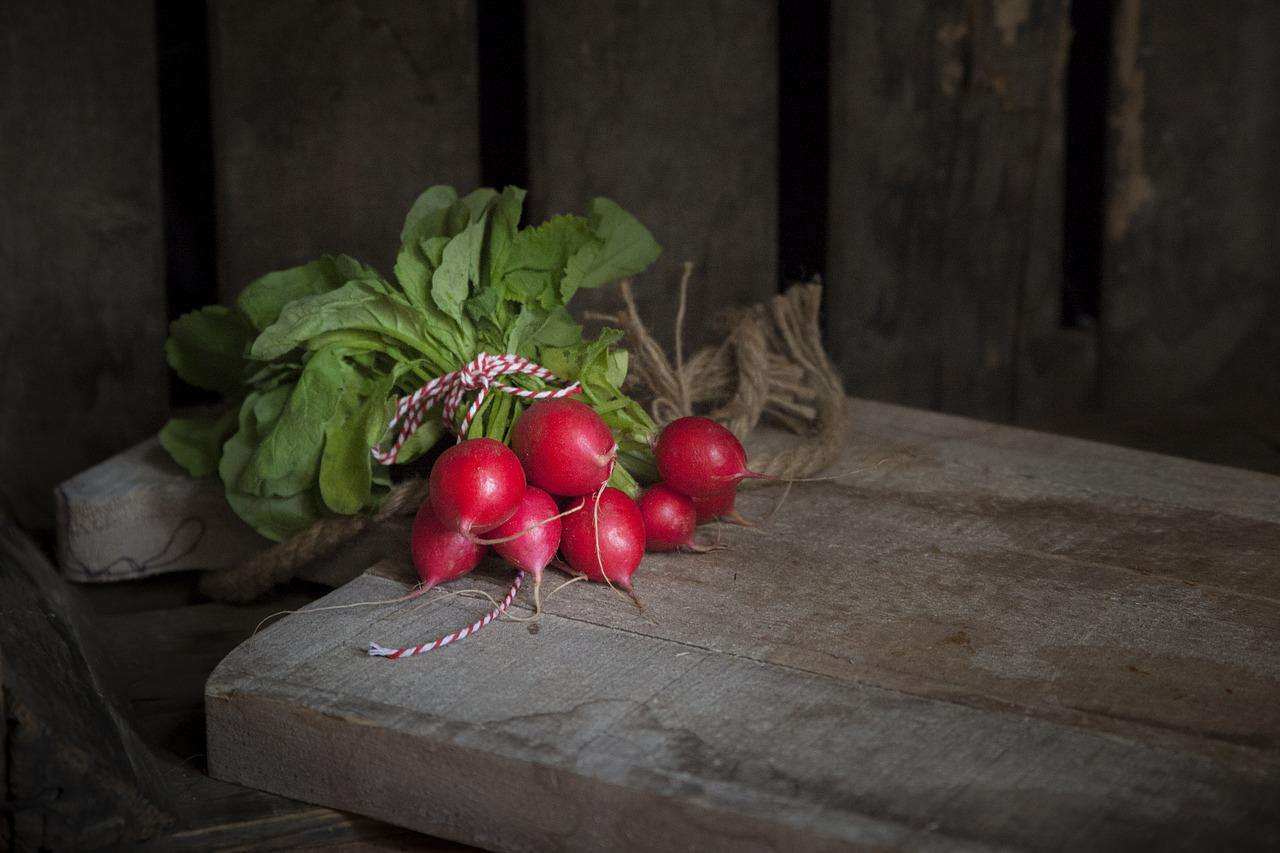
(376, 650)
(478, 375)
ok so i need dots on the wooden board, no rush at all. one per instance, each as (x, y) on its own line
(82, 310)
(138, 514)
(1190, 299)
(982, 637)
(329, 119)
(670, 109)
(945, 207)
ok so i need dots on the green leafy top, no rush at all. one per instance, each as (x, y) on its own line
(312, 358)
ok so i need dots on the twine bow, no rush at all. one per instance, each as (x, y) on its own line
(477, 375)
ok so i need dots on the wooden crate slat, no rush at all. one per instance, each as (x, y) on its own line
(1191, 299)
(946, 172)
(82, 306)
(670, 109)
(329, 119)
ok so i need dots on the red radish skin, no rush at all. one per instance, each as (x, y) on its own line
(700, 458)
(565, 447)
(621, 537)
(713, 506)
(440, 554)
(719, 507)
(535, 540)
(476, 485)
(669, 520)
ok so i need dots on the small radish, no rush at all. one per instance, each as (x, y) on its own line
(532, 535)
(565, 447)
(605, 538)
(718, 506)
(699, 457)
(476, 485)
(669, 520)
(440, 554)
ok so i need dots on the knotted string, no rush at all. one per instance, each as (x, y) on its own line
(478, 375)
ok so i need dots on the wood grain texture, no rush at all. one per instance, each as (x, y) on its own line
(82, 311)
(1192, 277)
(946, 173)
(1007, 638)
(329, 119)
(670, 109)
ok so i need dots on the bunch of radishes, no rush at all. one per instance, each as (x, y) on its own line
(484, 494)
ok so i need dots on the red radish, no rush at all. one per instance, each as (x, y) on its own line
(476, 485)
(718, 506)
(699, 457)
(604, 539)
(565, 447)
(534, 540)
(440, 554)
(669, 520)
(712, 506)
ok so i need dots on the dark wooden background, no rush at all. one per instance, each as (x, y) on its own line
(1075, 233)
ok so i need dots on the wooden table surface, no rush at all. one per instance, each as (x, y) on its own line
(981, 636)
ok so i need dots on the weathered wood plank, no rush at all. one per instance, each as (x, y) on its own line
(139, 514)
(1008, 638)
(1190, 295)
(945, 244)
(329, 119)
(76, 776)
(82, 311)
(670, 109)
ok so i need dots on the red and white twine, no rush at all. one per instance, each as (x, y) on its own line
(376, 650)
(478, 375)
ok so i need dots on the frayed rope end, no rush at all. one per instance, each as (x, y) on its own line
(376, 650)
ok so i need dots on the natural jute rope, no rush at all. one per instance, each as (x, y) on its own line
(280, 563)
(772, 363)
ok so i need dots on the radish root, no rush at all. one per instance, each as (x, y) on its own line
(515, 536)
(417, 591)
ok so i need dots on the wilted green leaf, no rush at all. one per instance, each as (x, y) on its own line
(207, 347)
(504, 222)
(275, 517)
(196, 443)
(346, 468)
(288, 458)
(354, 306)
(547, 247)
(436, 201)
(459, 267)
(264, 299)
(536, 327)
(477, 203)
(626, 247)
